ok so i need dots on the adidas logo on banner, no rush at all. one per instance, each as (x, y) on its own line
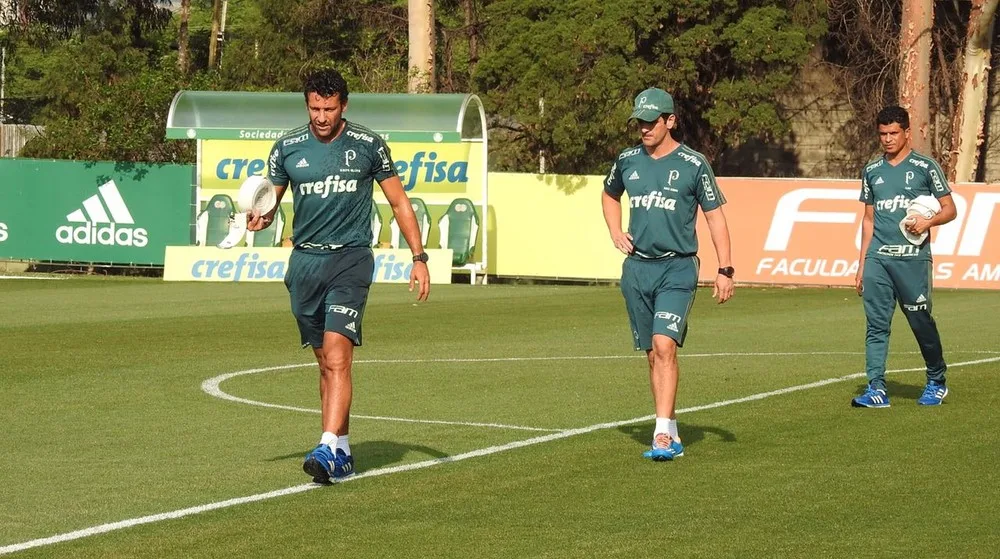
(879, 181)
(673, 327)
(351, 327)
(921, 299)
(634, 176)
(94, 213)
(302, 163)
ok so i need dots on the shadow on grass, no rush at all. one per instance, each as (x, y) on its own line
(905, 391)
(374, 454)
(690, 434)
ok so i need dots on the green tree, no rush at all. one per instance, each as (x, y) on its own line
(366, 40)
(726, 62)
(36, 19)
(55, 50)
(99, 75)
(121, 121)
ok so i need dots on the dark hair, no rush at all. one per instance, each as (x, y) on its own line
(895, 114)
(327, 83)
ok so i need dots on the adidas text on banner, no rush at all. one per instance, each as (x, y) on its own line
(97, 227)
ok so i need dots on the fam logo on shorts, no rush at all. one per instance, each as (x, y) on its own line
(673, 320)
(341, 309)
(97, 227)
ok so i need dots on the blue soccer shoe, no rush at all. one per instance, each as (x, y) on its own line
(664, 448)
(933, 395)
(326, 465)
(872, 398)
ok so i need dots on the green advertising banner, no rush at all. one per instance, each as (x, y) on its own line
(103, 212)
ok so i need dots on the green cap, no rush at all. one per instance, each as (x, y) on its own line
(652, 103)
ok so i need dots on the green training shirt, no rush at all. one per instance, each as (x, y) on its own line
(331, 184)
(663, 198)
(890, 189)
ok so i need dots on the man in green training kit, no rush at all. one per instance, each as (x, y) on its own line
(895, 262)
(330, 165)
(665, 182)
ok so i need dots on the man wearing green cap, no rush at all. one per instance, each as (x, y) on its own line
(666, 182)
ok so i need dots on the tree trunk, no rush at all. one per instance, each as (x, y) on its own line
(915, 71)
(967, 126)
(182, 38)
(473, 29)
(213, 39)
(421, 34)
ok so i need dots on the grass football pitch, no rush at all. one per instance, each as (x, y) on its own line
(148, 419)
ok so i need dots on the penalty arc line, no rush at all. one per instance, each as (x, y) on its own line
(212, 386)
(181, 513)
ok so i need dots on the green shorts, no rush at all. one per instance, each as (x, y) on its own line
(658, 296)
(329, 291)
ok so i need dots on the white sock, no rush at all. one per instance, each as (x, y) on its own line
(672, 429)
(662, 426)
(342, 444)
(327, 438)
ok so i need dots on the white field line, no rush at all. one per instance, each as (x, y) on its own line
(122, 524)
(212, 385)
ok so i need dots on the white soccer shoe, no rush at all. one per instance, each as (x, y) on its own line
(237, 229)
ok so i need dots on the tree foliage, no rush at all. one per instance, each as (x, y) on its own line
(366, 40)
(122, 121)
(89, 71)
(99, 74)
(59, 19)
(862, 50)
(726, 62)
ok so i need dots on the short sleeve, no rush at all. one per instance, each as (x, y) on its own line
(939, 182)
(709, 195)
(382, 164)
(613, 184)
(866, 190)
(276, 172)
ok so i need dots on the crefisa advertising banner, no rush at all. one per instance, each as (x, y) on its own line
(115, 213)
(425, 169)
(257, 264)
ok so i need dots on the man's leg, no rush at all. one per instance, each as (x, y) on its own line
(674, 295)
(663, 379)
(335, 386)
(879, 297)
(913, 281)
(342, 312)
(663, 376)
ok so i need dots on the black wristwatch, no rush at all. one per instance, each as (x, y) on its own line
(422, 257)
(728, 271)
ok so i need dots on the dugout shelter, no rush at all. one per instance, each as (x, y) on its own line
(438, 142)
